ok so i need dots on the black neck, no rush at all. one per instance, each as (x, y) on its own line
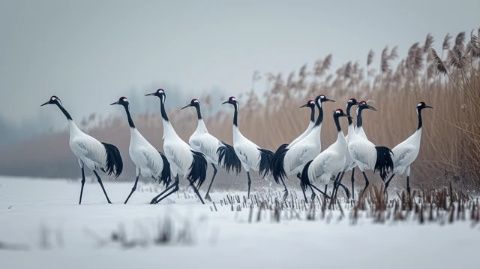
(337, 123)
(320, 115)
(349, 116)
(162, 109)
(235, 115)
(419, 114)
(312, 113)
(359, 117)
(130, 121)
(199, 113)
(65, 112)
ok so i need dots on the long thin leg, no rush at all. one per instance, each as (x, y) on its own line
(366, 181)
(249, 184)
(285, 195)
(101, 185)
(302, 187)
(154, 200)
(312, 196)
(408, 185)
(173, 188)
(133, 189)
(320, 191)
(83, 183)
(353, 187)
(195, 189)
(387, 183)
(207, 195)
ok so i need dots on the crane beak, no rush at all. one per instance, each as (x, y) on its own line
(372, 108)
(305, 105)
(46, 103)
(150, 94)
(185, 107)
(329, 100)
(428, 106)
(226, 102)
(115, 103)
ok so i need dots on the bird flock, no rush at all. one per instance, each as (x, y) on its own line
(303, 157)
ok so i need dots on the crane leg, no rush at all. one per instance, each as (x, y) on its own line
(133, 189)
(83, 183)
(195, 189)
(353, 179)
(388, 182)
(366, 182)
(285, 195)
(101, 185)
(249, 184)
(303, 188)
(319, 190)
(408, 185)
(340, 184)
(170, 190)
(207, 195)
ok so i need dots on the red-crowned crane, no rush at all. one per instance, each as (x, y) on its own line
(405, 153)
(95, 155)
(184, 161)
(216, 152)
(366, 155)
(251, 156)
(149, 162)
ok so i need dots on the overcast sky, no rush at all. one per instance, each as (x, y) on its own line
(90, 52)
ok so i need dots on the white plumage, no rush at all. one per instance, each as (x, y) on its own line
(148, 160)
(310, 104)
(330, 162)
(90, 152)
(405, 153)
(184, 161)
(251, 156)
(291, 160)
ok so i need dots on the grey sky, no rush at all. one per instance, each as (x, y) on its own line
(90, 52)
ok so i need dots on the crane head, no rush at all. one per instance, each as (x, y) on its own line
(363, 105)
(54, 100)
(339, 113)
(121, 101)
(232, 100)
(322, 98)
(422, 105)
(160, 93)
(193, 103)
(309, 104)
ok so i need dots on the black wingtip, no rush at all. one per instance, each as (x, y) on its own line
(304, 180)
(384, 162)
(276, 163)
(114, 164)
(228, 159)
(165, 177)
(265, 161)
(198, 169)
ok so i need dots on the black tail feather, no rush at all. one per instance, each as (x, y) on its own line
(276, 164)
(228, 159)
(384, 163)
(304, 180)
(265, 160)
(198, 169)
(165, 177)
(114, 160)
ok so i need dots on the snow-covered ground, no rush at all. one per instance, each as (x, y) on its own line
(42, 220)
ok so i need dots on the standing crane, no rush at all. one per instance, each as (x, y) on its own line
(95, 155)
(184, 161)
(405, 153)
(148, 161)
(251, 156)
(366, 155)
(291, 160)
(330, 162)
(214, 150)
